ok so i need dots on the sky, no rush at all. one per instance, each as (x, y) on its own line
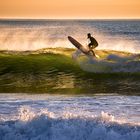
(73, 9)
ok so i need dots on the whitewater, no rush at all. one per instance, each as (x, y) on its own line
(62, 117)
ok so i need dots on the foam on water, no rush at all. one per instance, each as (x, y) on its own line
(112, 63)
(35, 117)
(45, 125)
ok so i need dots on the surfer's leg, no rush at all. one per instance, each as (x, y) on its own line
(92, 52)
(91, 49)
(90, 46)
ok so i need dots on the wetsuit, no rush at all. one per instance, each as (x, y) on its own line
(93, 43)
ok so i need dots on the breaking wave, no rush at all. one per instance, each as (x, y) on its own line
(112, 63)
(47, 125)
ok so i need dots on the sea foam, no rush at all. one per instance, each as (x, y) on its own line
(111, 64)
(46, 125)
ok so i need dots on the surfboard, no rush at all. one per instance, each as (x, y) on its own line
(79, 46)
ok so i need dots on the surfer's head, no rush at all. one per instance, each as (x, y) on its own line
(88, 35)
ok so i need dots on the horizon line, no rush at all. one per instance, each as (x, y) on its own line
(70, 18)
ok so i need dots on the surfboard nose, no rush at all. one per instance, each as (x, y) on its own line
(69, 37)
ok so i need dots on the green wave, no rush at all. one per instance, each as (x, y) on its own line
(49, 72)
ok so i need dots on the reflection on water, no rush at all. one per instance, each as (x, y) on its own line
(65, 81)
(60, 82)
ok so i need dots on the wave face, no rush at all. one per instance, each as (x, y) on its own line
(69, 117)
(35, 34)
(48, 72)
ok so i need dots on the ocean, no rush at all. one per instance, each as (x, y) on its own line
(47, 94)
(121, 35)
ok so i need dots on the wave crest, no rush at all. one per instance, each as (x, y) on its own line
(45, 125)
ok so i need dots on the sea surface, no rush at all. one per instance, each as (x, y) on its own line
(46, 95)
(121, 35)
(63, 117)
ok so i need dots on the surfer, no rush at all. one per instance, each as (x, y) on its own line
(92, 43)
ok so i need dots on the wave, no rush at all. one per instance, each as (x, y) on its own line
(105, 62)
(47, 125)
(53, 70)
(112, 64)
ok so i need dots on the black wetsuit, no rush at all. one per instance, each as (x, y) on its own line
(93, 43)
